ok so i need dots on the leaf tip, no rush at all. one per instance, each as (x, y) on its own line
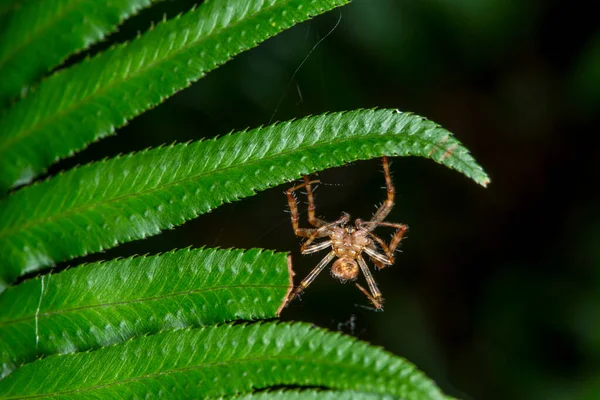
(482, 178)
(290, 285)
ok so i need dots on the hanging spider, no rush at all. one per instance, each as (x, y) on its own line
(347, 242)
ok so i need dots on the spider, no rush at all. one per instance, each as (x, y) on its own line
(347, 242)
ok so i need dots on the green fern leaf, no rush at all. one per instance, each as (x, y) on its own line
(313, 395)
(105, 303)
(41, 34)
(102, 204)
(81, 104)
(221, 361)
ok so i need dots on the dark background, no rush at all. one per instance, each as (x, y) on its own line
(496, 294)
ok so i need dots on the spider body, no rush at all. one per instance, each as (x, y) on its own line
(348, 242)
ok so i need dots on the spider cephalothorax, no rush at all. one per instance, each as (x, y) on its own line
(347, 241)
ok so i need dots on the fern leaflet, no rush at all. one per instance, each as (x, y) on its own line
(99, 205)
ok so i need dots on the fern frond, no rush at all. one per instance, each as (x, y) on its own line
(41, 34)
(106, 303)
(102, 204)
(311, 394)
(221, 361)
(86, 102)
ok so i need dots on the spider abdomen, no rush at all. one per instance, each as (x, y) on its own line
(345, 269)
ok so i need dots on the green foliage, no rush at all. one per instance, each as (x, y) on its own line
(147, 326)
(105, 303)
(84, 103)
(32, 52)
(194, 363)
(100, 205)
(314, 394)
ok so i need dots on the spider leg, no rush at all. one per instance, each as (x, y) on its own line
(375, 296)
(385, 260)
(396, 239)
(388, 204)
(310, 277)
(304, 232)
(378, 264)
(380, 260)
(317, 247)
(312, 219)
(377, 304)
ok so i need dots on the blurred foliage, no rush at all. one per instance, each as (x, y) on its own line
(497, 293)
